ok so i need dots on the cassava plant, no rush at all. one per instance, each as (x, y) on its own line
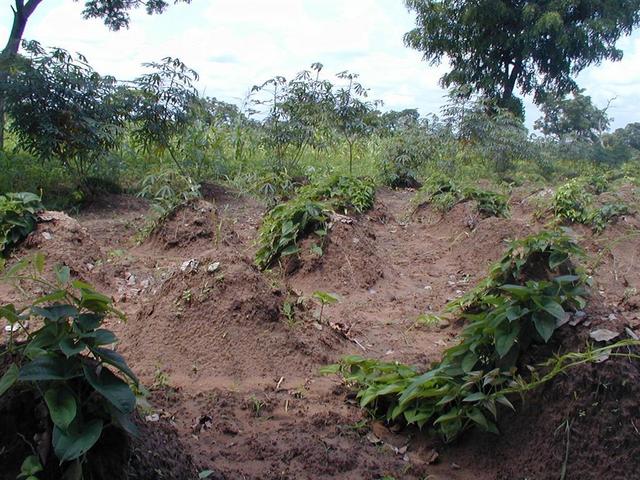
(67, 363)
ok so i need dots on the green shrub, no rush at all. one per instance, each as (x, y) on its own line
(444, 193)
(572, 202)
(308, 212)
(523, 300)
(606, 214)
(17, 217)
(66, 362)
(167, 191)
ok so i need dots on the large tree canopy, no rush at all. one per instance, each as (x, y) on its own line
(536, 46)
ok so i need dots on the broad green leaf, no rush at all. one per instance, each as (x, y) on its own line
(55, 312)
(88, 321)
(49, 367)
(554, 308)
(10, 313)
(454, 414)
(114, 358)
(44, 339)
(30, 466)
(63, 273)
(111, 387)
(562, 279)
(545, 326)
(478, 417)
(62, 406)
(474, 397)
(290, 250)
(504, 401)
(94, 301)
(100, 337)
(9, 378)
(556, 259)
(124, 420)
(505, 340)
(77, 441)
(70, 347)
(325, 298)
(469, 361)
(518, 291)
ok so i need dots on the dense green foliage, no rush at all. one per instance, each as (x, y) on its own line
(308, 212)
(17, 217)
(85, 134)
(524, 299)
(534, 46)
(62, 109)
(574, 202)
(66, 362)
(573, 118)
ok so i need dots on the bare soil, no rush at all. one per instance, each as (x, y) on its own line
(238, 381)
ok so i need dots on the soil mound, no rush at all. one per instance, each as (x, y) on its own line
(217, 318)
(585, 420)
(63, 241)
(190, 225)
(349, 259)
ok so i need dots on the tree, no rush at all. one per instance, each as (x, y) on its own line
(353, 113)
(62, 109)
(114, 13)
(298, 113)
(629, 136)
(163, 99)
(498, 46)
(573, 118)
(395, 121)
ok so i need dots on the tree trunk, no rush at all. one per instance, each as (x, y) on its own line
(21, 13)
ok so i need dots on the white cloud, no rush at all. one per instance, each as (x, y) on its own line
(235, 44)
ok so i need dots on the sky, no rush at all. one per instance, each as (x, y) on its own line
(235, 44)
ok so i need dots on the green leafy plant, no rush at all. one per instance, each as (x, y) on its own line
(30, 467)
(444, 193)
(67, 362)
(524, 299)
(324, 298)
(606, 214)
(529, 258)
(308, 212)
(17, 217)
(167, 190)
(572, 202)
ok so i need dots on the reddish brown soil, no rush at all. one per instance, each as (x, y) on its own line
(239, 381)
